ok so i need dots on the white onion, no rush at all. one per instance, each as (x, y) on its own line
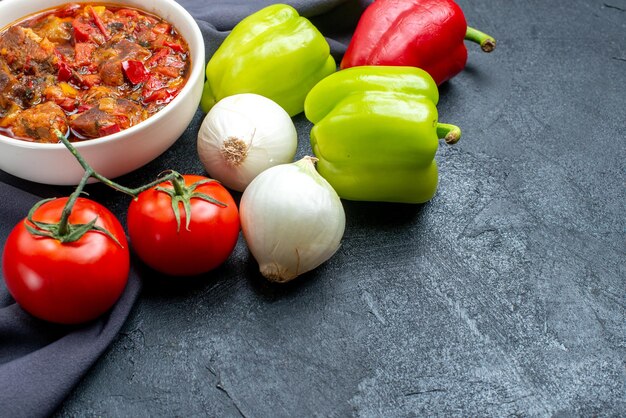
(244, 135)
(292, 220)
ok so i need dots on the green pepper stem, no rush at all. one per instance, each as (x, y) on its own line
(486, 42)
(451, 133)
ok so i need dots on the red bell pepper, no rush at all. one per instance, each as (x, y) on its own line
(135, 71)
(162, 96)
(65, 72)
(109, 129)
(154, 59)
(82, 30)
(83, 108)
(67, 104)
(175, 46)
(161, 28)
(100, 24)
(427, 34)
(155, 90)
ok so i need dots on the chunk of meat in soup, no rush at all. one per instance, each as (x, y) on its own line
(30, 89)
(7, 79)
(25, 51)
(111, 59)
(41, 122)
(8, 107)
(108, 116)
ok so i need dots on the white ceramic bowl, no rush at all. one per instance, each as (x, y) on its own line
(124, 151)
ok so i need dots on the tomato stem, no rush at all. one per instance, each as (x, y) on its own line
(181, 193)
(179, 186)
(64, 231)
(67, 209)
(90, 172)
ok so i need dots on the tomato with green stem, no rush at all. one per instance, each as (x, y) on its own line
(68, 271)
(185, 226)
(68, 261)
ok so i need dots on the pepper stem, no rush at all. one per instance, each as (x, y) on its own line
(451, 133)
(486, 42)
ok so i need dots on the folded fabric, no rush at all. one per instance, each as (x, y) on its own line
(40, 362)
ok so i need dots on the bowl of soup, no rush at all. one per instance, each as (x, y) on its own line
(121, 80)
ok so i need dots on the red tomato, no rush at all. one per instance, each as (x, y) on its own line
(161, 244)
(72, 282)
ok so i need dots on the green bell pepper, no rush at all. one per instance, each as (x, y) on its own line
(275, 53)
(376, 133)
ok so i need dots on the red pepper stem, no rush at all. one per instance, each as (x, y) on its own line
(486, 42)
(451, 133)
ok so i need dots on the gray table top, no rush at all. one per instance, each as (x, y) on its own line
(503, 295)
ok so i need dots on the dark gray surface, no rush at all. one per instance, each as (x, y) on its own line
(504, 295)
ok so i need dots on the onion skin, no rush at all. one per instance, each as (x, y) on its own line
(292, 220)
(242, 136)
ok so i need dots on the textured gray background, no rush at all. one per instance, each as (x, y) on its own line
(504, 295)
